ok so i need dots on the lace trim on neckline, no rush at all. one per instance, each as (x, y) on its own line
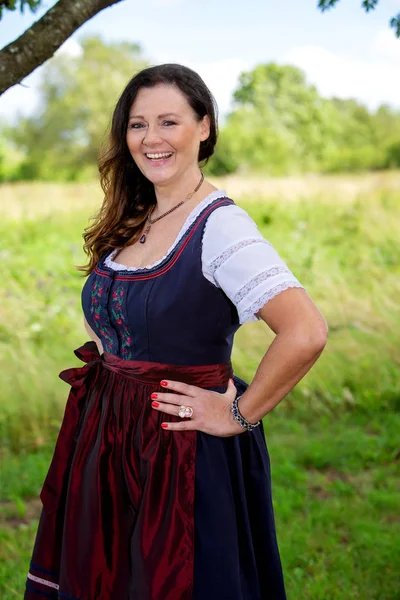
(215, 195)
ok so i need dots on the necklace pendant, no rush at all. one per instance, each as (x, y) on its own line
(143, 237)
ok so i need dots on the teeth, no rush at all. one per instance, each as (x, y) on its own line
(164, 155)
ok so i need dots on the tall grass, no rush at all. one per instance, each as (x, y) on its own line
(344, 253)
(334, 438)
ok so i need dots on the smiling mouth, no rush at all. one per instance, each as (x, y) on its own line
(158, 155)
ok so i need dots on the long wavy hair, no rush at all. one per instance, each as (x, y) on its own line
(128, 194)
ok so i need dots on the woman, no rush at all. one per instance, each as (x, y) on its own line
(159, 488)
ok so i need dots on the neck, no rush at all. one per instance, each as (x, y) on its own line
(171, 193)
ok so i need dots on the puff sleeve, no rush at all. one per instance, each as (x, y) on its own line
(237, 259)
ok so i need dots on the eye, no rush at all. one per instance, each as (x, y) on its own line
(136, 126)
(169, 123)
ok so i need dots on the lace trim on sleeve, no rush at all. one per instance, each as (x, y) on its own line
(252, 310)
(219, 261)
(253, 283)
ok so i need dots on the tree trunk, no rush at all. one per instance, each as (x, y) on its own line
(40, 41)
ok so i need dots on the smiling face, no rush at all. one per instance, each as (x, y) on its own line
(164, 134)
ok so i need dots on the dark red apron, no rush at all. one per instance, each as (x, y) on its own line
(118, 520)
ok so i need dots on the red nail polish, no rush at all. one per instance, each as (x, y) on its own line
(155, 404)
(164, 425)
(164, 383)
(154, 396)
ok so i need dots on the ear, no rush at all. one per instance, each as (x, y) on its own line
(205, 128)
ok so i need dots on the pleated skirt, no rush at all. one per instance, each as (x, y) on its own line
(133, 512)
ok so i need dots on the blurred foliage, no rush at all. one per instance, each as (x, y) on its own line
(21, 4)
(279, 124)
(367, 5)
(77, 98)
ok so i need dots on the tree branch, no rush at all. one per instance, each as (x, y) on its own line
(40, 41)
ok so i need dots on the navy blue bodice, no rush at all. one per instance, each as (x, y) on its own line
(169, 314)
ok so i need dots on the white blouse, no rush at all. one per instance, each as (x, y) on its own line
(235, 258)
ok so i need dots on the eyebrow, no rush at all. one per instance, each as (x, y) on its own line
(159, 116)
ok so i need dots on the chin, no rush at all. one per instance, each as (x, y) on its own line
(159, 176)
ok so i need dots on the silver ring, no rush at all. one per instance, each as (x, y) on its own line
(185, 411)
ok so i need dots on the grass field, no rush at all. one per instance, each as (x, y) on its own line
(334, 440)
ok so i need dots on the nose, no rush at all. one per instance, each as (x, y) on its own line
(151, 137)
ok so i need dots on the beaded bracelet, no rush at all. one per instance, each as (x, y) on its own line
(240, 418)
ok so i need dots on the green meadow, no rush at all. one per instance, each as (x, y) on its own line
(333, 441)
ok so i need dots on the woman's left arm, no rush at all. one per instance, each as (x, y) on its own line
(237, 259)
(301, 334)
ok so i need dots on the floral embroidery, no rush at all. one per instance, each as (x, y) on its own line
(217, 262)
(257, 280)
(119, 319)
(96, 311)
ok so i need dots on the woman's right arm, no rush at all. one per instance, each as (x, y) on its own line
(93, 336)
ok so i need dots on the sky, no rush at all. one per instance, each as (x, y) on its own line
(344, 51)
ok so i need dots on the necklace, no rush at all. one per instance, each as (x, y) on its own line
(151, 221)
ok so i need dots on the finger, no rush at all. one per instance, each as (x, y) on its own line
(170, 398)
(170, 409)
(180, 387)
(231, 390)
(179, 426)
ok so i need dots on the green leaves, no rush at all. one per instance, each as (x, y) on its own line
(61, 141)
(281, 125)
(367, 5)
(326, 4)
(14, 4)
(395, 24)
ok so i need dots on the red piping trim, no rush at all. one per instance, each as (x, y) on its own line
(173, 261)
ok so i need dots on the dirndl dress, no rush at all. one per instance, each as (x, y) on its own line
(133, 512)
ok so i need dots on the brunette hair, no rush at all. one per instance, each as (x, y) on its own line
(128, 194)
